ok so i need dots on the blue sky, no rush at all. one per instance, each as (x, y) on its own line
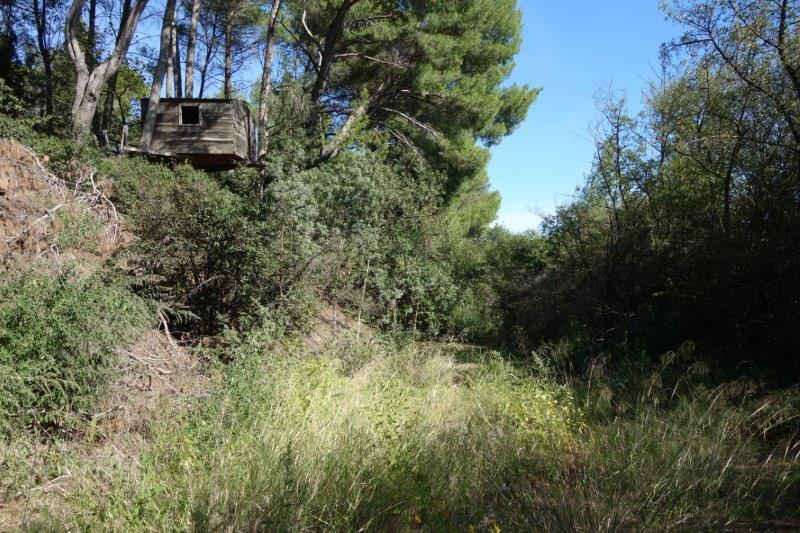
(573, 50)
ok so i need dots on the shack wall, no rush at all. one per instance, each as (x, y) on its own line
(222, 130)
(242, 132)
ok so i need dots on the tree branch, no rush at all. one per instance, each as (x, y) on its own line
(429, 129)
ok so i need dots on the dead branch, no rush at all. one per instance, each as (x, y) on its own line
(429, 129)
(49, 215)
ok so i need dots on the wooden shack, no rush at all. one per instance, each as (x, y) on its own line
(208, 133)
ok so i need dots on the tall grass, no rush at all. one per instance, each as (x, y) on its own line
(701, 463)
(383, 436)
(380, 438)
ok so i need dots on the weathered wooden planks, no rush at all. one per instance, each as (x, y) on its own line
(225, 131)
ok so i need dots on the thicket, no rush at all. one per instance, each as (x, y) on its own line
(231, 246)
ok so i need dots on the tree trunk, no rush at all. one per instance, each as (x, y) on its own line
(332, 148)
(211, 48)
(266, 84)
(204, 71)
(89, 83)
(191, 52)
(91, 39)
(108, 102)
(202, 81)
(170, 83)
(176, 62)
(111, 91)
(328, 54)
(228, 55)
(158, 77)
(40, 18)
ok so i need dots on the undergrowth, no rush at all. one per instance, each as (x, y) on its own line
(396, 436)
(57, 340)
(375, 437)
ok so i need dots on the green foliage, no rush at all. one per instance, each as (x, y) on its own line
(57, 337)
(373, 437)
(79, 230)
(387, 233)
(495, 270)
(455, 58)
(9, 103)
(228, 246)
(198, 245)
(60, 153)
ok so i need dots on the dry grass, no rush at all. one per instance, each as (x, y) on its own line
(44, 219)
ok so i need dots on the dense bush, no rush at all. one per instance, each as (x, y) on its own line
(57, 340)
(228, 245)
(683, 230)
(196, 244)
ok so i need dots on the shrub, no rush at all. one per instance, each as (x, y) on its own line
(230, 244)
(57, 340)
(197, 245)
(60, 154)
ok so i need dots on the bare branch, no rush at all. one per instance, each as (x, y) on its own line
(429, 129)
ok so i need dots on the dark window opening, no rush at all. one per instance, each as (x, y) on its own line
(190, 115)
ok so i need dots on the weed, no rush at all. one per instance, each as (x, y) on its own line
(79, 230)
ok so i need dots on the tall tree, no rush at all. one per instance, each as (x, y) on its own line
(91, 36)
(427, 74)
(41, 18)
(176, 61)
(240, 17)
(749, 68)
(228, 73)
(90, 82)
(265, 92)
(165, 52)
(211, 24)
(170, 74)
(8, 39)
(191, 51)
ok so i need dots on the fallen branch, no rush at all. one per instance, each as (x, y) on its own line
(48, 215)
(163, 320)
